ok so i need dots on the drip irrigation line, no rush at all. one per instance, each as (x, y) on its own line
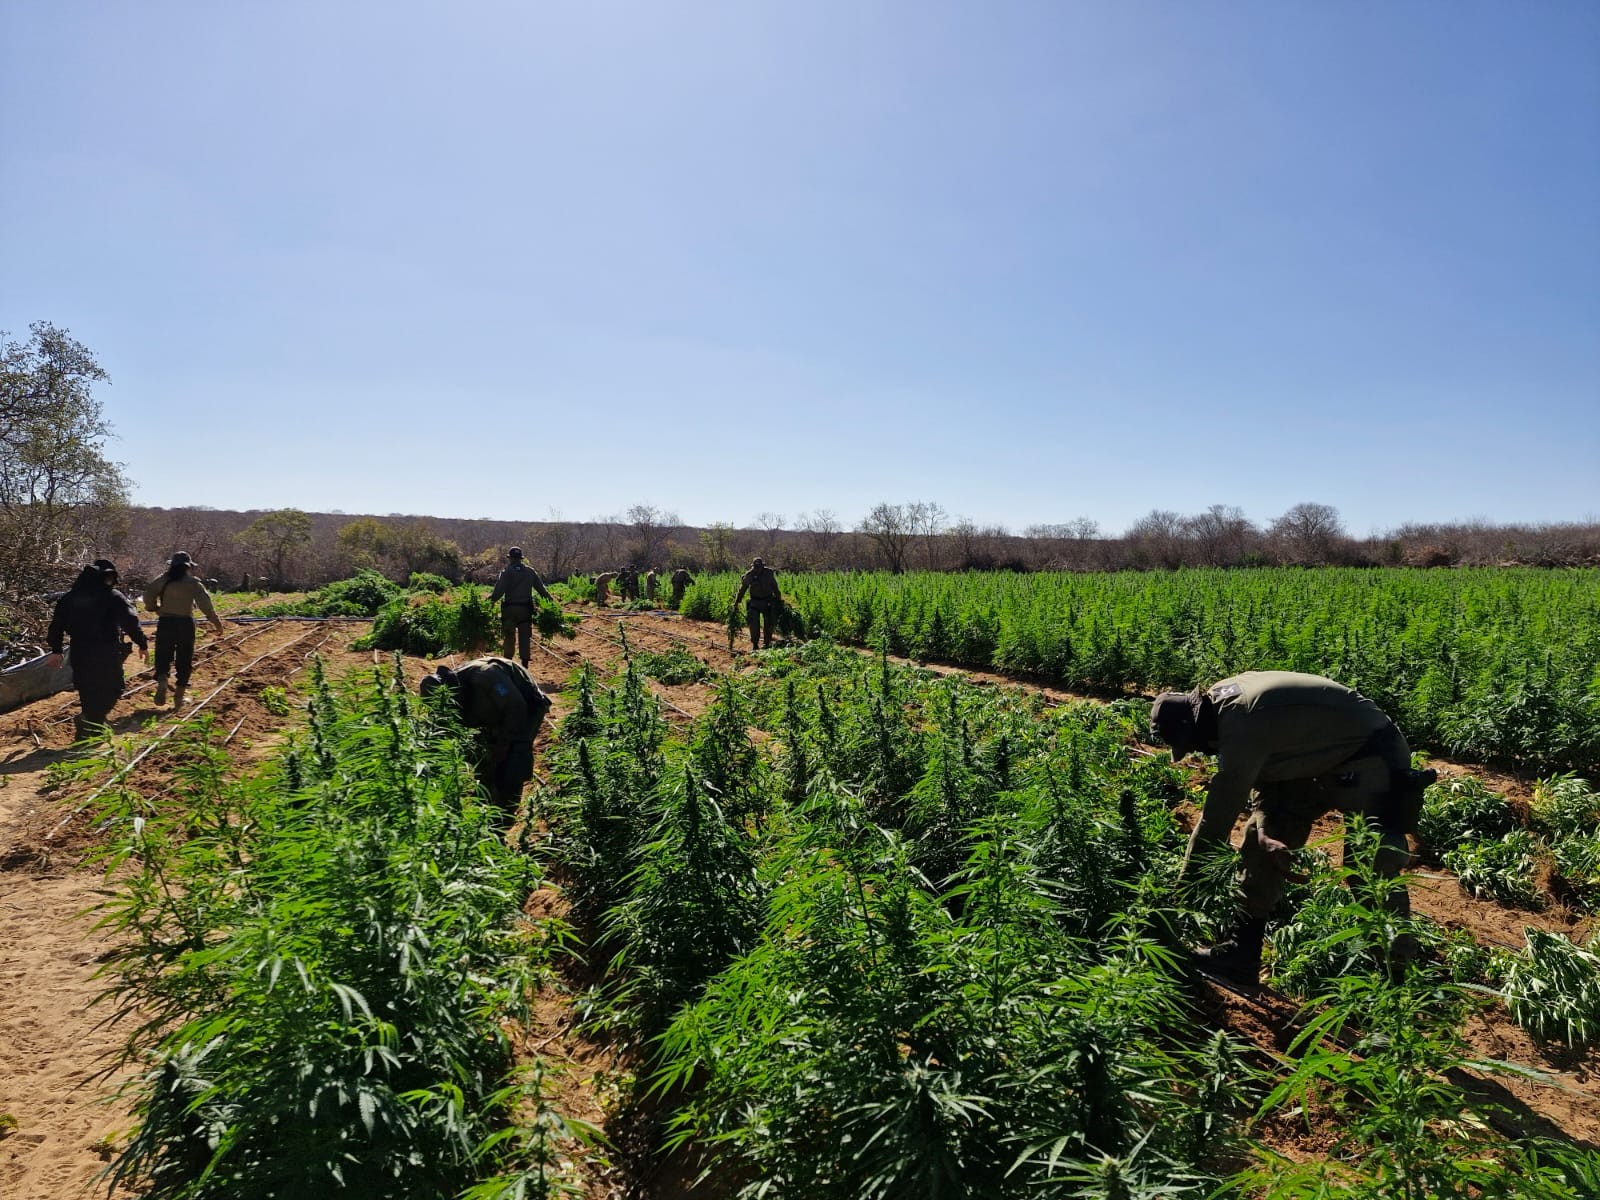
(122, 772)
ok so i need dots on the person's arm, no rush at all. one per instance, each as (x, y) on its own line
(152, 597)
(1227, 796)
(128, 619)
(57, 634)
(499, 587)
(203, 599)
(744, 582)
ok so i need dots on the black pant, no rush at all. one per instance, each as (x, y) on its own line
(98, 677)
(175, 646)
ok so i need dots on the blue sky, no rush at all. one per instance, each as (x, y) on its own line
(1030, 261)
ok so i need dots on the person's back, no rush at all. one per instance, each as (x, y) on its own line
(517, 583)
(91, 615)
(179, 597)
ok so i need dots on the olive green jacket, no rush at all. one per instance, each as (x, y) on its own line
(493, 701)
(1274, 726)
(517, 584)
(179, 598)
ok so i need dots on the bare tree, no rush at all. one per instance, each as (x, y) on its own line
(771, 524)
(889, 528)
(1220, 535)
(927, 523)
(716, 544)
(822, 530)
(555, 545)
(649, 526)
(1307, 532)
(1157, 539)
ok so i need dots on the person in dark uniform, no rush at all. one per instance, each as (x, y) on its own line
(766, 602)
(92, 617)
(681, 579)
(628, 583)
(1304, 746)
(514, 589)
(500, 700)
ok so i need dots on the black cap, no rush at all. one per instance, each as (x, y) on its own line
(105, 566)
(1173, 720)
(181, 559)
(514, 552)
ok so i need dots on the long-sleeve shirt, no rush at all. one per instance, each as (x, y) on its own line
(1274, 726)
(179, 598)
(517, 584)
(90, 617)
(494, 698)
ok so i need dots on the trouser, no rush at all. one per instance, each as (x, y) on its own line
(762, 614)
(1286, 811)
(503, 772)
(516, 628)
(677, 595)
(98, 678)
(175, 648)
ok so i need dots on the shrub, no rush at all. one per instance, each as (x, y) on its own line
(1553, 988)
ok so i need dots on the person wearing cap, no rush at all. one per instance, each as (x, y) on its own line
(500, 700)
(766, 601)
(514, 588)
(173, 597)
(92, 617)
(1304, 746)
(681, 579)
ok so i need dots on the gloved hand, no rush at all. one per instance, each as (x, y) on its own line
(1282, 858)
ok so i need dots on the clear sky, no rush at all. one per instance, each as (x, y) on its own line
(1032, 261)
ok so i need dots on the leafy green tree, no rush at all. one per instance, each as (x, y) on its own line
(60, 497)
(275, 538)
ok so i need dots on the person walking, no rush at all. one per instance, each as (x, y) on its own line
(499, 699)
(173, 597)
(91, 618)
(1304, 746)
(514, 588)
(766, 602)
(681, 579)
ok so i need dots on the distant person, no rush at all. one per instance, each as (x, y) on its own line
(92, 617)
(500, 700)
(650, 584)
(628, 583)
(681, 579)
(514, 589)
(174, 597)
(602, 586)
(766, 602)
(244, 583)
(1305, 746)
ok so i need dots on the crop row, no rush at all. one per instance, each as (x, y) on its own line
(919, 938)
(1492, 665)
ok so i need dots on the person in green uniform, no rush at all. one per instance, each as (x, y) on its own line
(173, 597)
(766, 602)
(1304, 746)
(500, 700)
(514, 588)
(681, 579)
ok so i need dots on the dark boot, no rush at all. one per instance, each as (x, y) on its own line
(1238, 956)
(161, 692)
(177, 697)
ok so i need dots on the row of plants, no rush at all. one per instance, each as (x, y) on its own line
(920, 938)
(318, 966)
(1472, 830)
(458, 620)
(1493, 665)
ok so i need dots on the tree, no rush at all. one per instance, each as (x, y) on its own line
(60, 497)
(650, 525)
(714, 543)
(1157, 538)
(889, 528)
(1307, 532)
(274, 538)
(822, 530)
(927, 523)
(555, 545)
(772, 524)
(1220, 535)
